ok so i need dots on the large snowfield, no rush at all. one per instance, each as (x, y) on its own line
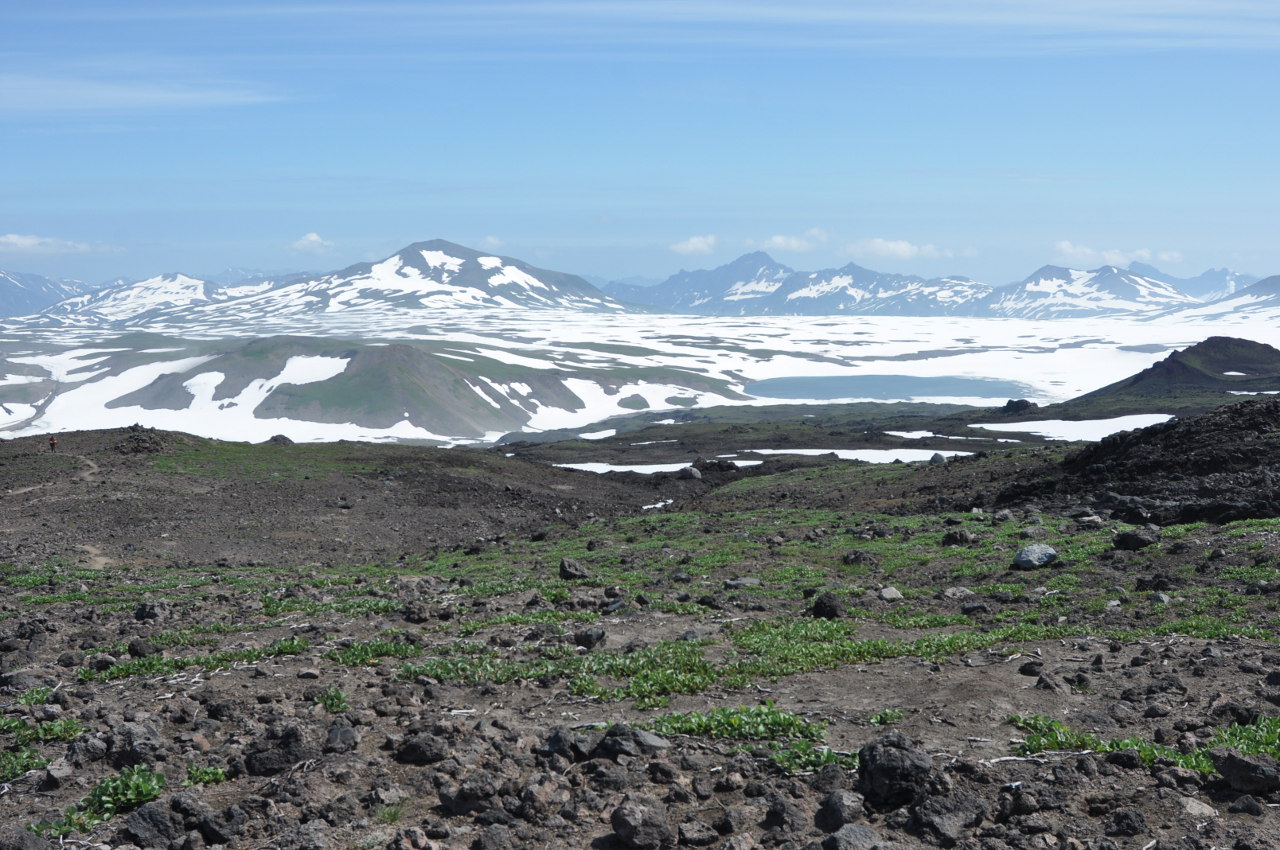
(1055, 359)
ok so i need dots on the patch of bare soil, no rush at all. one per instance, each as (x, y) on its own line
(193, 607)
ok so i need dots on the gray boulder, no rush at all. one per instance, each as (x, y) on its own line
(1034, 557)
(1251, 774)
(641, 822)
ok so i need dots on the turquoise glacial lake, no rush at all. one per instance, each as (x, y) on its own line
(887, 387)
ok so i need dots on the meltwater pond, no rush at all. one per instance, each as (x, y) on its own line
(885, 387)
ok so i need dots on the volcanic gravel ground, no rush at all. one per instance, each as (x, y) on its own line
(131, 545)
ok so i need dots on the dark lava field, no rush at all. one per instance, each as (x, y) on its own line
(323, 646)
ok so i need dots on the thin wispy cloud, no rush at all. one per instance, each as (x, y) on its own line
(810, 240)
(18, 243)
(312, 243)
(695, 245)
(900, 249)
(1069, 252)
(29, 93)
(493, 243)
(1003, 27)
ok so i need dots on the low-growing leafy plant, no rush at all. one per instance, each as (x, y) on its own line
(16, 763)
(62, 729)
(159, 665)
(806, 757)
(365, 653)
(35, 696)
(1046, 734)
(757, 723)
(388, 814)
(197, 775)
(333, 701)
(124, 792)
(886, 717)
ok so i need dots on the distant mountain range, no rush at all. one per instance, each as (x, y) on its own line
(22, 293)
(755, 284)
(441, 275)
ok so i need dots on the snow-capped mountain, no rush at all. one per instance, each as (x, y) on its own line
(1055, 292)
(1208, 286)
(435, 275)
(1261, 299)
(735, 288)
(21, 294)
(755, 284)
(122, 301)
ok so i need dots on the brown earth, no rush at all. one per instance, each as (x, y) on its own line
(135, 544)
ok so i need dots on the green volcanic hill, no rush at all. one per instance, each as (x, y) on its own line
(1218, 371)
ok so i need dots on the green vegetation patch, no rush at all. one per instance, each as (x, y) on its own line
(757, 723)
(111, 796)
(14, 763)
(153, 665)
(794, 744)
(1046, 734)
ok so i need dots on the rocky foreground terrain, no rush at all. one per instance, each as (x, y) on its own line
(207, 645)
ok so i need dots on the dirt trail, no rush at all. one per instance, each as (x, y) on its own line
(91, 470)
(97, 560)
(89, 473)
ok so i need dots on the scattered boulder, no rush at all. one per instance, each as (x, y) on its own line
(859, 558)
(571, 570)
(341, 739)
(950, 816)
(742, 583)
(959, 537)
(838, 808)
(279, 751)
(589, 638)
(852, 836)
(1135, 539)
(891, 769)
(1034, 557)
(17, 838)
(641, 822)
(1250, 774)
(422, 749)
(828, 606)
(624, 740)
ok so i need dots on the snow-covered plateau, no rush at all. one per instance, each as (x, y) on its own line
(475, 375)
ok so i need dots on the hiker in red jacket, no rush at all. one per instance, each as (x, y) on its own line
(53, 443)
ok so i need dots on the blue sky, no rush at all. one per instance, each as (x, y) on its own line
(636, 138)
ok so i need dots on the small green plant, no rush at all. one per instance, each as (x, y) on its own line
(63, 729)
(388, 814)
(197, 775)
(806, 756)
(333, 701)
(886, 717)
(15, 764)
(367, 653)
(159, 665)
(124, 792)
(1045, 734)
(758, 723)
(35, 696)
